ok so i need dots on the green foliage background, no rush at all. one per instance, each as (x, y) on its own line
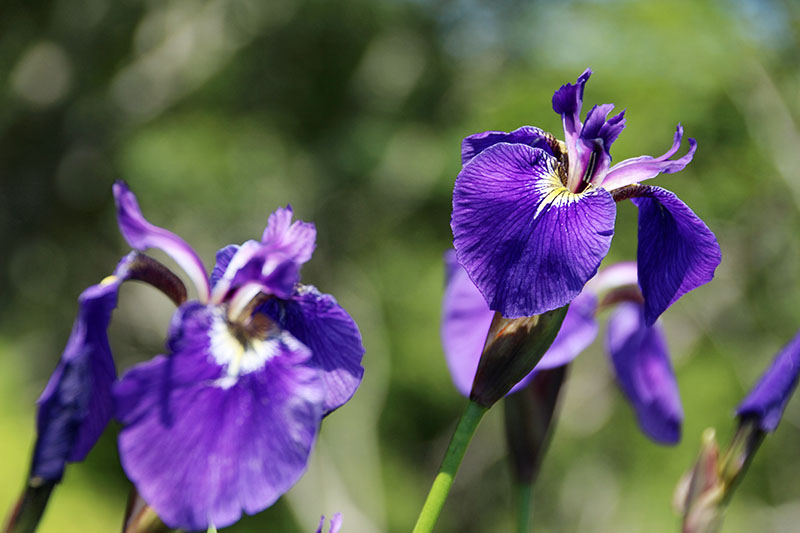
(218, 112)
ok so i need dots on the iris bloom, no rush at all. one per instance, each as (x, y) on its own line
(533, 216)
(638, 351)
(225, 421)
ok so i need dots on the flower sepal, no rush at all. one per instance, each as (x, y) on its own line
(513, 347)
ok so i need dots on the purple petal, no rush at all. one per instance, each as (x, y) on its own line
(140, 234)
(319, 322)
(591, 158)
(465, 322)
(767, 400)
(576, 334)
(567, 101)
(336, 523)
(255, 262)
(296, 240)
(477, 143)
(201, 443)
(677, 252)
(640, 360)
(76, 405)
(527, 242)
(224, 256)
(645, 167)
(615, 276)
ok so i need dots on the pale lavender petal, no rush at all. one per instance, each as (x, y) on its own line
(613, 277)
(200, 444)
(641, 168)
(477, 143)
(76, 405)
(319, 322)
(578, 331)
(255, 262)
(527, 242)
(567, 101)
(140, 234)
(640, 359)
(465, 322)
(296, 240)
(767, 400)
(336, 523)
(677, 252)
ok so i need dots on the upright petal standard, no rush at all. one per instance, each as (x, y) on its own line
(533, 216)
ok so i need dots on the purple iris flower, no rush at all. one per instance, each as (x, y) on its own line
(637, 350)
(767, 400)
(225, 421)
(533, 216)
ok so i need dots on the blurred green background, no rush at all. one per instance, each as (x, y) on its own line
(218, 112)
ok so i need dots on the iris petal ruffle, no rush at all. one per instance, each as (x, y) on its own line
(140, 235)
(296, 240)
(767, 400)
(75, 406)
(638, 169)
(194, 473)
(477, 143)
(676, 253)
(527, 243)
(319, 322)
(641, 363)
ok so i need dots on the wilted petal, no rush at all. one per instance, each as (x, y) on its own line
(677, 252)
(641, 168)
(296, 240)
(768, 398)
(319, 322)
(140, 234)
(641, 362)
(465, 322)
(477, 143)
(527, 242)
(201, 444)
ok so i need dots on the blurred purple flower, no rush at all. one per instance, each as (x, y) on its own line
(767, 400)
(336, 524)
(638, 351)
(533, 216)
(226, 420)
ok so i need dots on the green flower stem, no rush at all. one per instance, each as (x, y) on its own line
(447, 472)
(524, 506)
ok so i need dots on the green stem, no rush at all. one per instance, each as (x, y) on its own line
(447, 472)
(524, 506)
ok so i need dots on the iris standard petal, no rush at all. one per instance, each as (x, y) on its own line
(677, 252)
(202, 442)
(319, 322)
(140, 234)
(253, 262)
(767, 400)
(465, 322)
(295, 239)
(477, 143)
(642, 168)
(527, 242)
(567, 102)
(641, 363)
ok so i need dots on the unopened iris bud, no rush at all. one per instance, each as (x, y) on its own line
(513, 347)
(529, 415)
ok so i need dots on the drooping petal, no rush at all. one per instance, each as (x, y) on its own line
(217, 428)
(767, 400)
(477, 143)
(527, 242)
(567, 101)
(641, 363)
(466, 318)
(641, 168)
(76, 405)
(296, 240)
(140, 234)
(319, 322)
(677, 252)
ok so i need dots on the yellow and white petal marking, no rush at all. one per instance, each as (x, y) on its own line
(555, 193)
(242, 353)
